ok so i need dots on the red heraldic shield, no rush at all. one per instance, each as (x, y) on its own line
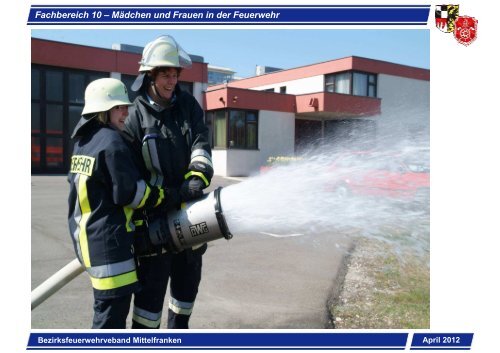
(465, 30)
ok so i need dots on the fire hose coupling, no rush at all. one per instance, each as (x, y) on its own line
(221, 220)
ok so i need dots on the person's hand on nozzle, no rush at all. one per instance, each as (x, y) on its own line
(173, 198)
(192, 188)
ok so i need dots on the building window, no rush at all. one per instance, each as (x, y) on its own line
(216, 77)
(359, 84)
(220, 131)
(76, 88)
(54, 158)
(128, 80)
(338, 83)
(35, 84)
(54, 85)
(35, 153)
(251, 127)
(352, 82)
(233, 128)
(283, 89)
(364, 84)
(372, 85)
(57, 99)
(54, 119)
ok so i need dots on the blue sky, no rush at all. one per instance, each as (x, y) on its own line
(242, 50)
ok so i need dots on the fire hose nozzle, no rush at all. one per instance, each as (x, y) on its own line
(198, 222)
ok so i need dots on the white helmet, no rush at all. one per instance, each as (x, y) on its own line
(164, 52)
(103, 94)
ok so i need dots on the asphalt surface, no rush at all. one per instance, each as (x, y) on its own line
(249, 282)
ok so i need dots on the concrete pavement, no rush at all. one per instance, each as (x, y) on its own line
(248, 282)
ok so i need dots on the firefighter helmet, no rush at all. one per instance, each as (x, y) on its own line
(164, 52)
(103, 94)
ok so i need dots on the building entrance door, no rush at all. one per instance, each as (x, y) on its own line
(308, 134)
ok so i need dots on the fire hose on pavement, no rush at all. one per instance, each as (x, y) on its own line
(197, 222)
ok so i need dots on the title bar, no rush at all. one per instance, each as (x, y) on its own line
(202, 15)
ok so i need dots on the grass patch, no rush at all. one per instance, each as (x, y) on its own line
(384, 289)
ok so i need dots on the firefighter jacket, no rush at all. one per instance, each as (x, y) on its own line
(105, 189)
(172, 137)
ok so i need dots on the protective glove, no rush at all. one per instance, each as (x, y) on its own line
(191, 189)
(172, 198)
(202, 170)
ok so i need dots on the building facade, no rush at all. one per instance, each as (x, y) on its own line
(59, 74)
(353, 102)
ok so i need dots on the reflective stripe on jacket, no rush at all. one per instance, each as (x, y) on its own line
(105, 189)
(182, 133)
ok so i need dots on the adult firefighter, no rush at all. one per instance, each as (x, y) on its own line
(175, 148)
(105, 189)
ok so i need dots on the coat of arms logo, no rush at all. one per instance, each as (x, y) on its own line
(465, 30)
(445, 17)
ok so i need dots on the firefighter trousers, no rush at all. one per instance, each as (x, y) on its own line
(154, 272)
(111, 313)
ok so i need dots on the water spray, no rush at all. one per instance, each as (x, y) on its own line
(287, 201)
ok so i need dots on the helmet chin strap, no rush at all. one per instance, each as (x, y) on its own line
(157, 98)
